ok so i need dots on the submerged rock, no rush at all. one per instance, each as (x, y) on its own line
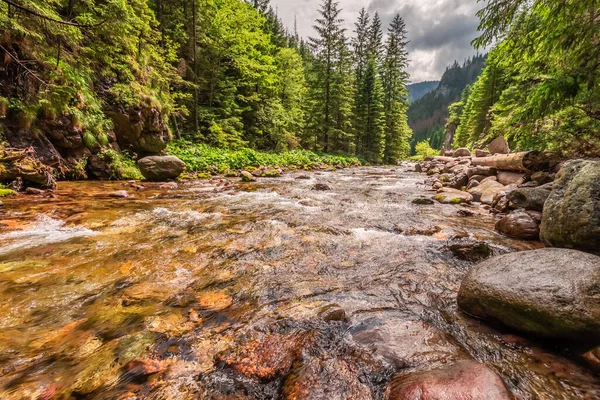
(572, 210)
(520, 224)
(547, 292)
(470, 249)
(161, 168)
(465, 380)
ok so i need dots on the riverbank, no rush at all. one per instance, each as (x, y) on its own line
(215, 287)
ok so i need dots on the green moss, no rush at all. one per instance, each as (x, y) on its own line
(440, 197)
(123, 167)
(456, 200)
(5, 192)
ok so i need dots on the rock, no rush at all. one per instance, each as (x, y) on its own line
(140, 369)
(530, 184)
(520, 225)
(465, 213)
(1, 204)
(486, 191)
(500, 202)
(247, 176)
(592, 358)
(161, 168)
(509, 178)
(332, 312)
(499, 146)
(529, 198)
(418, 168)
(433, 171)
(470, 249)
(119, 194)
(481, 153)
(465, 380)
(548, 292)
(325, 378)
(34, 191)
(462, 152)
(477, 178)
(321, 187)
(472, 184)
(437, 185)
(453, 196)
(271, 173)
(459, 181)
(572, 211)
(448, 153)
(422, 201)
(302, 177)
(142, 129)
(480, 170)
(542, 178)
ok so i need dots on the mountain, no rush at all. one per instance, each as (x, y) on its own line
(418, 90)
(427, 116)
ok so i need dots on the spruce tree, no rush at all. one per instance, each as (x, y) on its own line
(394, 76)
(360, 47)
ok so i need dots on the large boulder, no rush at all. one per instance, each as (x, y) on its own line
(572, 210)
(520, 224)
(465, 380)
(486, 191)
(529, 198)
(142, 130)
(499, 146)
(453, 196)
(161, 168)
(510, 178)
(549, 292)
(462, 152)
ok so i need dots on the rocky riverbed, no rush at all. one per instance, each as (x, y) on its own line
(320, 285)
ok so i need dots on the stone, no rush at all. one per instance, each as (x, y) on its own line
(572, 211)
(472, 184)
(332, 312)
(499, 146)
(304, 177)
(422, 201)
(321, 187)
(481, 153)
(470, 249)
(592, 358)
(247, 176)
(520, 225)
(453, 196)
(433, 171)
(1, 204)
(418, 168)
(141, 129)
(486, 191)
(489, 178)
(98, 168)
(465, 380)
(548, 292)
(462, 152)
(529, 198)
(35, 191)
(458, 181)
(500, 202)
(481, 170)
(161, 168)
(509, 178)
(437, 185)
(119, 194)
(542, 177)
(477, 178)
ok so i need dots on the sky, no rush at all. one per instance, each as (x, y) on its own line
(440, 31)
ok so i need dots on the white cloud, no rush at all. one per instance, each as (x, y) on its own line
(440, 31)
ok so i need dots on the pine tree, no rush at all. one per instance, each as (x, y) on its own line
(327, 47)
(394, 76)
(360, 47)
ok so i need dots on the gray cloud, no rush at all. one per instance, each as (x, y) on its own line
(440, 31)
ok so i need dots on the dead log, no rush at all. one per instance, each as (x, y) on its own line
(527, 161)
(444, 159)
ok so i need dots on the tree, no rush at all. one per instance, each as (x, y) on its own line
(394, 78)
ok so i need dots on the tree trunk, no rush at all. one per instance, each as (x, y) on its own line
(527, 161)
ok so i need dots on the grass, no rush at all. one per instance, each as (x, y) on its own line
(122, 166)
(203, 158)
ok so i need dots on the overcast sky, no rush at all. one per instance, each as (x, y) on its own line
(440, 31)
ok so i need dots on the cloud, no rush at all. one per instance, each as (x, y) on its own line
(440, 31)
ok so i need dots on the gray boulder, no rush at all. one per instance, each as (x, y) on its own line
(529, 198)
(549, 292)
(161, 168)
(572, 211)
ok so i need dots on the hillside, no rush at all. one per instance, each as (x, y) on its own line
(427, 116)
(420, 89)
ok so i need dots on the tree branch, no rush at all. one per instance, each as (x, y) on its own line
(23, 65)
(58, 21)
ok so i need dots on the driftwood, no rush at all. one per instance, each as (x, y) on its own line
(528, 161)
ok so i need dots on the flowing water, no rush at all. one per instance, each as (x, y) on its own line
(218, 290)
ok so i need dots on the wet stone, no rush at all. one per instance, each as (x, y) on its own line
(465, 380)
(321, 187)
(119, 194)
(422, 201)
(332, 312)
(247, 176)
(470, 249)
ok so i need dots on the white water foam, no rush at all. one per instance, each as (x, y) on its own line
(46, 231)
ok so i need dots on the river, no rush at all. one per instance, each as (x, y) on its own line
(219, 289)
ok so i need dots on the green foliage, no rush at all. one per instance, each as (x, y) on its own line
(5, 192)
(204, 158)
(541, 86)
(122, 166)
(423, 149)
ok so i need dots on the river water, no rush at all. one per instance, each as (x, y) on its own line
(219, 289)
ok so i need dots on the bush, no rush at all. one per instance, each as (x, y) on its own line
(203, 158)
(423, 149)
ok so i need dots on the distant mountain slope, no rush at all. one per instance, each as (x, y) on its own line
(418, 90)
(427, 116)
